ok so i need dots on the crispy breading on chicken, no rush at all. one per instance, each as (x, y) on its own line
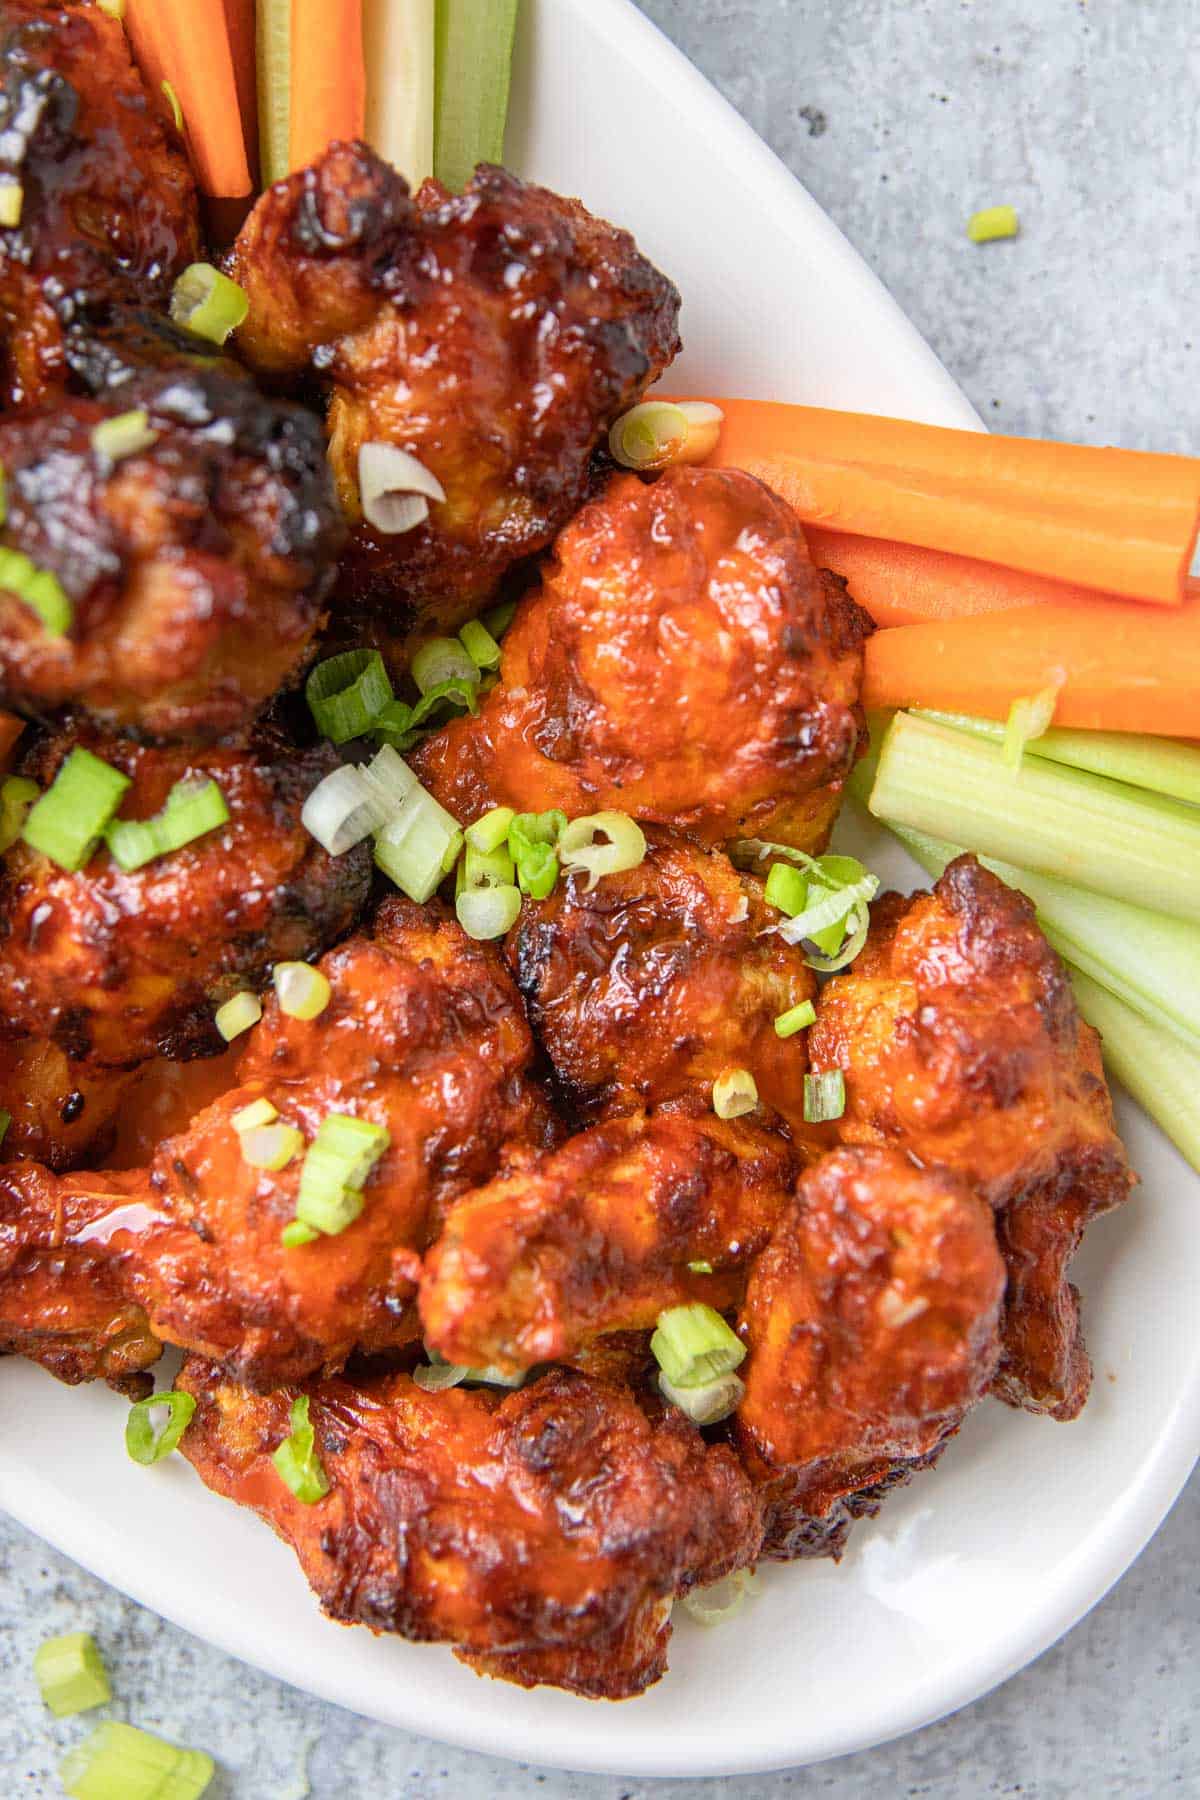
(960, 1041)
(116, 966)
(648, 986)
(195, 567)
(61, 1113)
(681, 661)
(872, 1320)
(108, 204)
(424, 1035)
(494, 335)
(602, 1236)
(543, 1533)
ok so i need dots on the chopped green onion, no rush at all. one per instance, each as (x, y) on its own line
(1055, 821)
(993, 222)
(208, 303)
(297, 1233)
(700, 1268)
(490, 830)
(346, 693)
(473, 42)
(344, 808)
(824, 1096)
(1028, 720)
(537, 871)
(440, 660)
(787, 889)
(533, 838)
(271, 1146)
(38, 589)
(119, 1762)
(123, 435)
(657, 433)
(16, 797)
(419, 847)
(1164, 765)
(439, 1375)
(5, 1122)
(394, 488)
(604, 843)
(297, 1460)
(336, 1167)
(491, 868)
(480, 645)
(259, 1112)
(238, 1015)
(797, 1018)
(500, 618)
(720, 1600)
(173, 103)
(192, 809)
(693, 1346)
(488, 912)
(709, 1403)
(12, 199)
(69, 820)
(144, 1443)
(829, 908)
(116, 8)
(734, 1093)
(304, 992)
(1159, 1072)
(70, 1674)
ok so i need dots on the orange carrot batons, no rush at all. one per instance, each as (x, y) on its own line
(329, 90)
(186, 42)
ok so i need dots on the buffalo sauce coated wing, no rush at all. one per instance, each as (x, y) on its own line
(424, 1035)
(601, 1236)
(960, 1041)
(543, 1533)
(108, 205)
(494, 335)
(682, 661)
(873, 1325)
(62, 1112)
(195, 566)
(114, 966)
(648, 986)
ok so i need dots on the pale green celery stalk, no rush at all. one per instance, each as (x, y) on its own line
(273, 58)
(1067, 823)
(1160, 1074)
(473, 58)
(1150, 962)
(398, 42)
(1164, 765)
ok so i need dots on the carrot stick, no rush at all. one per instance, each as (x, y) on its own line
(199, 66)
(1121, 521)
(900, 584)
(1124, 668)
(329, 87)
(10, 730)
(239, 23)
(146, 27)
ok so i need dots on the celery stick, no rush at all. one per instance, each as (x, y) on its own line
(1164, 765)
(1066, 823)
(1159, 1073)
(274, 60)
(473, 46)
(398, 50)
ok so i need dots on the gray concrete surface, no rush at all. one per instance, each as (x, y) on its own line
(902, 116)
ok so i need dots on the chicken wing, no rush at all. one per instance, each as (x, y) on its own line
(682, 661)
(195, 567)
(61, 1112)
(960, 1041)
(543, 1533)
(873, 1325)
(494, 335)
(108, 206)
(603, 1235)
(114, 966)
(424, 1035)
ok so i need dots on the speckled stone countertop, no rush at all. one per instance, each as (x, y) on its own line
(902, 117)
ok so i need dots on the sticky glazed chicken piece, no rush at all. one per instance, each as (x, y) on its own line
(108, 205)
(681, 661)
(872, 1321)
(601, 1236)
(424, 1035)
(960, 1040)
(195, 567)
(494, 335)
(116, 966)
(61, 1113)
(543, 1533)
(649, 986)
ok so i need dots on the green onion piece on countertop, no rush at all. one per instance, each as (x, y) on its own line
(993, 222)
(297, 1460)
(347, 693)
(70, 1674)
(192, 809)
(733, 1093)
(38, 589)
(238, 1015)
(119, 1762)
(473, 44)
(123, 435)
(480, 645)
(208, 303)
(693, 1345)
(797, 1018)
(69, 820)
(16, 797)
(824, 1096)
(144, 1443)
